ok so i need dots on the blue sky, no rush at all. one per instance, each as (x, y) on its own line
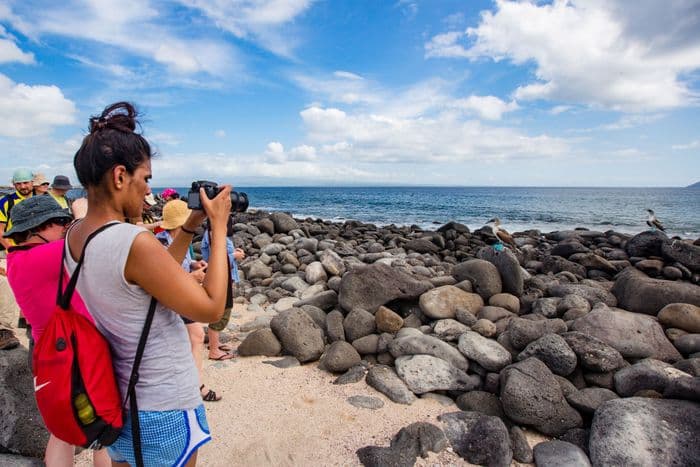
(363, 92)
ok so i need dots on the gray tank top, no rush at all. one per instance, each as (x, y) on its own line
(168, 376)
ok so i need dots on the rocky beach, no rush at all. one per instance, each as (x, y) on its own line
(360, 344)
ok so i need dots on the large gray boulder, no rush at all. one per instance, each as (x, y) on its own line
(283, 222)
(260, 342)
(375, 285)
(557, 453)
(410, 442)
(486, 352)
(682, 316)
(632, 334)
(385, 380)
(508, 267)
(478, 438)
(415, 344)
(484, 277)
(425, 373)
(594, 354)
(531, 395)
(523, 331)
(340, 357)
(554, 352)
(648, 374)
(646, 244)
(685, 253)
(332, 263)
(359, 323)
(443, 302)
(645, 432)
(299, 335)
(635, 291)
(592, 294)
(22, 430)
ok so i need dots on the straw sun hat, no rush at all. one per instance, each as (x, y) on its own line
(175, 213)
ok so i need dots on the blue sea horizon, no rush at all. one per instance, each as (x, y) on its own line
(520, 208)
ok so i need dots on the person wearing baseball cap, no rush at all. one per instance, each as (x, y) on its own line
(59, 188)
(22, 181)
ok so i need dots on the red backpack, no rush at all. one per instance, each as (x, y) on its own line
(74, 383)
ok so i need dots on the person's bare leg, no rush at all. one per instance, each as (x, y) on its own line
(193, 460)
(196, 334)
(120, 464)
(100, 458)
(214, 343)
(58, 453)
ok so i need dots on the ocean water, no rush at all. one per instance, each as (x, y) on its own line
(547, 209)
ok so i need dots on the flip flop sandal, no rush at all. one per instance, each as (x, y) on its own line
(225, 348)
(226, 356)
(210, 396)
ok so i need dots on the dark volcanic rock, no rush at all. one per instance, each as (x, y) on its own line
(508, 267)
(646, 244)
(531, 395)
(385, 380)
(478, 438)
(632, 334)
(568, 248)
(523, 331)
(522, 452)
(482, 402)
(22, 430)
(587, 400)
(682, 316)
(375, 285)
(410, 442)
(340, 357)
(645, 432)
(648, 374)
(592, 294)
(260, 342)
(559, 453)
(359, 323)
(353, 375)
(637, 292)
(283, 222)
(553, 350)
(594, 354)
(685, 253)
(299, 334)
(555, 264)
(484, 277)
(421, 246)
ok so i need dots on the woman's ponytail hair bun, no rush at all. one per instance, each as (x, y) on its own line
(120, 116)
(112, 141)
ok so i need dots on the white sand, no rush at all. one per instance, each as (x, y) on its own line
(289, 417)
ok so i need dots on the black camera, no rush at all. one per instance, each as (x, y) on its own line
(239, 201)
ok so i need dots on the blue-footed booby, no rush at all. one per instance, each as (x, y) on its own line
(653, 222)
(501, 234)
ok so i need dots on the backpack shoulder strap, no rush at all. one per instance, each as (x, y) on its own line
(63, 298)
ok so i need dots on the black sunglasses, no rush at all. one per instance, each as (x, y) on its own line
(63, 221)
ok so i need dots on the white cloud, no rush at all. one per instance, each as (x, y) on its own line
(28, 111)
(220, 133)
(262, 21)
(692, 145)
(632, 121)
(303, 153)
(598, 53)
(9, 52)
(487, 107)
(444, 138)
(131, 25)
(559, 109)
(343, 86)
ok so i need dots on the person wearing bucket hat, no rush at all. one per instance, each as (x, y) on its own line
(40, 183)
(39, 224)
(59, 188)
(22, 181)
(175, 214)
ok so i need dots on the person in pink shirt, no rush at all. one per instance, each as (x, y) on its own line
(38, 227)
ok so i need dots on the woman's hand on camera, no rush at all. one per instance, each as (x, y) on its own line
(217, 209)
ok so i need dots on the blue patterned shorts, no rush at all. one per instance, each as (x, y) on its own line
(168, 438)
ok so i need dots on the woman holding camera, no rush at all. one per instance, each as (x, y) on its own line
(124, 267)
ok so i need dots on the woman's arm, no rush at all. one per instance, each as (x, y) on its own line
(152, 267)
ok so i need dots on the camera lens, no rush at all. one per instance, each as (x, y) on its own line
(239, 201)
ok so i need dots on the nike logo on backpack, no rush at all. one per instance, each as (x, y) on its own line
(36, 388)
